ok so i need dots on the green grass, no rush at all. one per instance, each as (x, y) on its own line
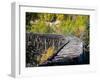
(70, 24)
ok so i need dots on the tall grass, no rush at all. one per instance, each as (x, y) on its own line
(69, 24)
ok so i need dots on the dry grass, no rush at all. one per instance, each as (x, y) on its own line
(46, 55)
